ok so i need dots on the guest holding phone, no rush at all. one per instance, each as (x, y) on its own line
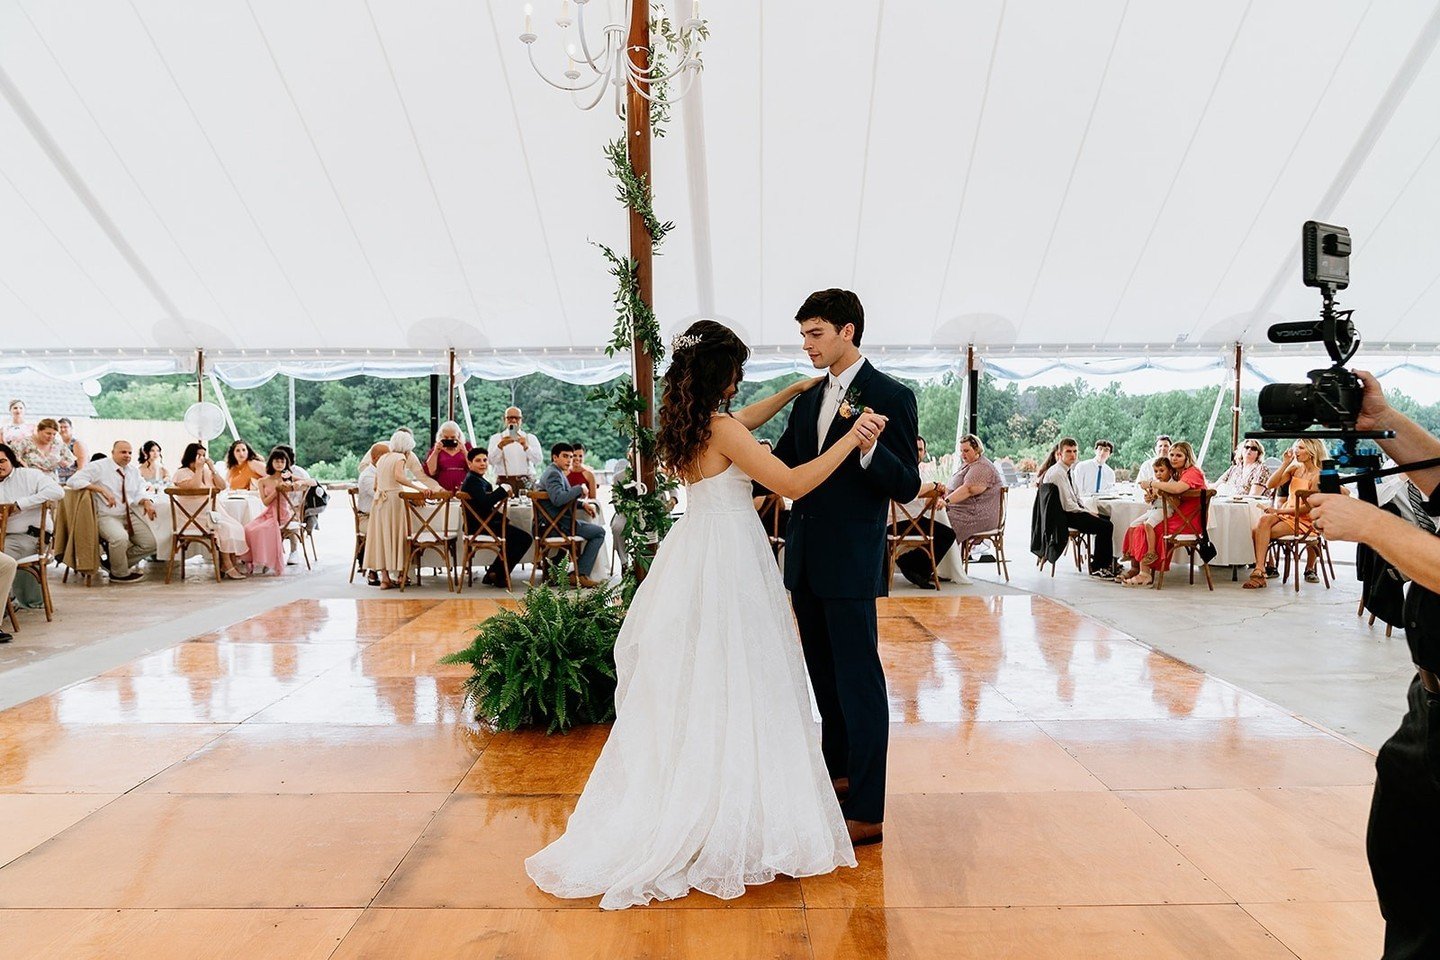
(514, 453)
(446, 462)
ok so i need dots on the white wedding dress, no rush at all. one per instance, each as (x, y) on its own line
(712, 776)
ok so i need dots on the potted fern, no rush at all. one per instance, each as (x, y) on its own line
(551, 663)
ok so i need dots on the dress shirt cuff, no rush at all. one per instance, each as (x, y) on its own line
(867, 457)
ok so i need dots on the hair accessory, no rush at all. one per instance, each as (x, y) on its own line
(685, 341)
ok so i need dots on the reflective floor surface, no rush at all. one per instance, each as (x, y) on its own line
(306, 784)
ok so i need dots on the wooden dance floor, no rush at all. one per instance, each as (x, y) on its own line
(305, 784)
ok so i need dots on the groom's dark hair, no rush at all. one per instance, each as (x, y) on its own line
(836, 307)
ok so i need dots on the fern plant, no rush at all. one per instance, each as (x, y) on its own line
(551, 664)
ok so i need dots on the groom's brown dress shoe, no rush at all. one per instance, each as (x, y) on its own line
(863, 834)
(842, 787)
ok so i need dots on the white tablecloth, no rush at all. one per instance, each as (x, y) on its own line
(244, 507)
(1231, 526)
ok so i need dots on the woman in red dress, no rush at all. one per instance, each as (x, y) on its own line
(446, 463)
(1184, 516)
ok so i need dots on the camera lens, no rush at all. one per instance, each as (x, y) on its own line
(1286, 406)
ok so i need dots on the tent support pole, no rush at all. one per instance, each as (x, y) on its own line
(1235, 409)
(292, 412)
(469, 420)
(1210, 430)
(637, 148)
(200, 376)
(434, 409)
(450, 396)
(972, 400)
(225, 407)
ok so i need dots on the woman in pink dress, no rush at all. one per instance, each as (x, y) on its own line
(1184, 517)
(446, 463)
(262, 535)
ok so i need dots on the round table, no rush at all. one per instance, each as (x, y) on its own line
(1232, 521)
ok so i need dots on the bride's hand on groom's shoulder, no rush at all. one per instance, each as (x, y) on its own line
(805, 386)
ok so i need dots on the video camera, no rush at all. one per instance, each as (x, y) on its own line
(1332, 398)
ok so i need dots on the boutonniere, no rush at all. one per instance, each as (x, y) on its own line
(851, 404)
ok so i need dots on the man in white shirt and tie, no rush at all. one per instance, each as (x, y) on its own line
(1093, 476)
(121, 495)
(514, 454)
(26, 489)
(1102, 551)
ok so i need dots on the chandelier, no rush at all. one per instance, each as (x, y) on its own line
(611, 64)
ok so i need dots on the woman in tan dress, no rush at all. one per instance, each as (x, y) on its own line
(385, 541)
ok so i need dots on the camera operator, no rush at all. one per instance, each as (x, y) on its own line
(1403, 841)
(446, 463)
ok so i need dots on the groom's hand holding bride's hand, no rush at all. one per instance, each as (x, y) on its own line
(867, 429)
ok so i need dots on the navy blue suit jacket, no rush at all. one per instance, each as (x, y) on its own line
(835, 544)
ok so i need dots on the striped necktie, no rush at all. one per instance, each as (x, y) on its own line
(1423, 520)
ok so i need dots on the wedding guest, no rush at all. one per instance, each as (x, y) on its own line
(1247, 474)
(1092, 475)
(1162, 449)
(312, 505)
(152, 464)
(1057, 470)
(386, 543)
(26, 488)
(77, 450)
(8, 569)
(561, 494)
(915, 564)
(485, 501)
(1148, 542)
(580, 475)
(972, 497)
(198, 473)
(414, 469)
(43, 451)
(123, 495)
(1147, 522)
(243, 467)
(17, 429)
(446, 461)
(514, 453)
(365, 499)
(263, 539)
(1300, 470)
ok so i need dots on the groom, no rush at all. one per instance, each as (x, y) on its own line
(835, 548)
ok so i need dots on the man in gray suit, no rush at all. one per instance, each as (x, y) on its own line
(562, 493)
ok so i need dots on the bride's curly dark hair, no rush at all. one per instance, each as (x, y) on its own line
(706, 361)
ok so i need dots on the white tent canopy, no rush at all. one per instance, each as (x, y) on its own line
(335, 187)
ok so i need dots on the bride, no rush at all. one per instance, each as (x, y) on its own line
(712, 776)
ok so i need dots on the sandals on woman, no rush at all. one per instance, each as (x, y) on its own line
(1256, 581)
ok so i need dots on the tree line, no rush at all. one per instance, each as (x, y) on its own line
(338, 420)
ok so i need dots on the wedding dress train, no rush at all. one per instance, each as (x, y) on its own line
(712, 776)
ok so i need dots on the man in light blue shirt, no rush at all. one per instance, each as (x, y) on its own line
(561, 494)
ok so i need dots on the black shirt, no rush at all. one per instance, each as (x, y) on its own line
(1422, 614)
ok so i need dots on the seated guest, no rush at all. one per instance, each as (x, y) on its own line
(446, 461)
(44, 451)
(263, 539)
(1057, 470)
(561, 494)
(243, 467)
(1147, 543)
(1147, 522)
(8, 569)
(16, 429)
(122, 494)
(514, 453)
(152, 464)
(1299, 471)
(26, 488)
(1162, 449)
(365, 498)
(76, 447)
(915, 564)
(972, 497)
(303, 481)
(581, 475)
(484, 501)
(774, 516)
(1247, 473)
(198, 473)
(1093, 476)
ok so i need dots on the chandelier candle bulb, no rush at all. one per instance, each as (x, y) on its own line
(529, 11)
(564, 19)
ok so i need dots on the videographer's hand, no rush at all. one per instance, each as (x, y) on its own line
(1343, 518)
(1374, 408)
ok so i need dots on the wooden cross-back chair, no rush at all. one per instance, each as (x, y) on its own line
(1189, 535)
(487, 537)
(357, 559)
(190, 508)
(36, 564)
(430, 526)
(295, 530)
(995, 538)
(550, 534)
(912, 532)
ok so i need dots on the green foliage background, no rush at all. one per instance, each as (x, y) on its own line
(336, 421)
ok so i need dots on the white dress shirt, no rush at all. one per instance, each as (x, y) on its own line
(513, 460)
(835, 388)
(1060, 475)
(27, 488)
(107, 474)
(1091, 477)
(365, 494)
(1146, 471)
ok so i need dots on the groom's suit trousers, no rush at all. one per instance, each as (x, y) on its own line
(840, 638)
